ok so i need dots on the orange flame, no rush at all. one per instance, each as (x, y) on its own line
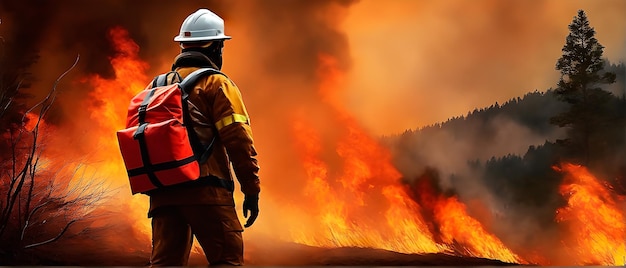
(347, 216)
(113, 95)
(361, 203)
(344, 201)
(456, 225)
(595, 229)
(107, 105)
(457, 228)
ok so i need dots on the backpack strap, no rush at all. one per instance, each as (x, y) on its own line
(162, 79)
(192, 79)
(187, 84)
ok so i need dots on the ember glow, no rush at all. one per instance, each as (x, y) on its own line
(595, 232)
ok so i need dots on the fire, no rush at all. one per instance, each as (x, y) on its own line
(106, 105)
(595, 229)
(109, 98)
(456, 227)
(353, 195)
(364, 204)
(406, 225)
(347, 216)
(360, 203)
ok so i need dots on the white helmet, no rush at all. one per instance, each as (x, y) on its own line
(202, 25)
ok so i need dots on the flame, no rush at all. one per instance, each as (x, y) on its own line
(360, 203)
(348, 217)
(457, 228)
(456, 225)
(595, 229)
(107, 104)
(344, 200)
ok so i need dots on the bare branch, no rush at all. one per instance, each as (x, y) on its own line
(17, 182)
(31, 188)
(10, 98)
(51, 93)
(30, 215)
(67, 226)
(12, 197)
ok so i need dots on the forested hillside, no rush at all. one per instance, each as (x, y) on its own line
(506, 156)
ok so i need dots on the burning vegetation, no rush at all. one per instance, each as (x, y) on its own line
(328, 182)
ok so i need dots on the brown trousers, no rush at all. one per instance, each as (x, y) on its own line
(217, 229)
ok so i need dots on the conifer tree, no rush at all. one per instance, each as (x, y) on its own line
(582, 74)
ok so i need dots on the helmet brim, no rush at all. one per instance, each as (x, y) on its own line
(179, 38)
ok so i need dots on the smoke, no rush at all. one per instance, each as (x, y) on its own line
(408, 64)
(450, 146)
(274, 57)
(421, 62)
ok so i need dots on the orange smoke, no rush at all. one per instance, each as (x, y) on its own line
(594, 229)
(89, 138)
(440, 59)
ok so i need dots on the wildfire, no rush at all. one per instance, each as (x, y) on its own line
(353, 195)
(595, 229)
(359, 203)
(347, 216)
(364, 204)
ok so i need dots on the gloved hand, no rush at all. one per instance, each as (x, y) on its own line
(250, 203)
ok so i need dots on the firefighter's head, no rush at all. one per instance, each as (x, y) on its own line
(203, 31)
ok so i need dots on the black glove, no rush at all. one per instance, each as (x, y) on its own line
(251, 203)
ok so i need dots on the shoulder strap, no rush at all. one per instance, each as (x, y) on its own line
(161, 80)
(193, 77)
(202, 152)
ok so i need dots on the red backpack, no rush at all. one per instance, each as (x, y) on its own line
(158, 145)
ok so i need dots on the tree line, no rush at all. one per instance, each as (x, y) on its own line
(582, 120)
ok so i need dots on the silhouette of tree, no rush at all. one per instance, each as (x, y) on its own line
(581, 67)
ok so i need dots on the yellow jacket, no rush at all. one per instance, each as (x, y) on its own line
(216, 100)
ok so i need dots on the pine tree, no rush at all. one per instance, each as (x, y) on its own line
(581, 67)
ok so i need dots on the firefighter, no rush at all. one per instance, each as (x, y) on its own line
(205, 208)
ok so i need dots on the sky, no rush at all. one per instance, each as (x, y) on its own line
(422, 62)
(407, 63)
